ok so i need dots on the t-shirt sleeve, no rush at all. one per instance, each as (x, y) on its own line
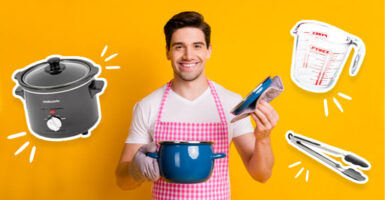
(241, 127)
(139, 132)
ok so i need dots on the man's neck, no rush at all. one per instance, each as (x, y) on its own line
(190, 89)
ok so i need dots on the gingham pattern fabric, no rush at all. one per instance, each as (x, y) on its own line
(218, 186)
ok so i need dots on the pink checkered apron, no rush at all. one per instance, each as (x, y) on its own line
(218, 186)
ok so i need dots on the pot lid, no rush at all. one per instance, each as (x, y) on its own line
(57, 73)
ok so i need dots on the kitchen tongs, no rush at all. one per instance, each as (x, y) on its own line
(317, 150)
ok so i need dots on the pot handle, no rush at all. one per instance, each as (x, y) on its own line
(218, 155)
(19, 91)
(95, 87)
(152, 154)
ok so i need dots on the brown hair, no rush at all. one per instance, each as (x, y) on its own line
(186, 19)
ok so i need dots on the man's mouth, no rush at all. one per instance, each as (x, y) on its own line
(188, 66)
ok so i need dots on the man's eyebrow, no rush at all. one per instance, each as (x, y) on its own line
(176, 43)
(181, 43)
(202, 43)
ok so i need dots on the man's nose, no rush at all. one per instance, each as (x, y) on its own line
(188, 54)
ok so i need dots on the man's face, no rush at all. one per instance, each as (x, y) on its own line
(188, 53)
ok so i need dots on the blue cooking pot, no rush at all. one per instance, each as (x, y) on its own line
(185, 162)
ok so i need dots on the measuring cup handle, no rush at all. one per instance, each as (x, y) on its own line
(359, 54)
(294, 30)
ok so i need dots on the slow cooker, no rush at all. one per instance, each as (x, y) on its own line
(60, 96)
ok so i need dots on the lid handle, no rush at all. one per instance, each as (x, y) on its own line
(54, 65)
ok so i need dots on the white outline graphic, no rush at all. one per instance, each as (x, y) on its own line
(300, 171)
(336, 102)
(109, 58)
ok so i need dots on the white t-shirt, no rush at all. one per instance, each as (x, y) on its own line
(179, 109)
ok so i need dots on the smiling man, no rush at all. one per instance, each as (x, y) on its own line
(192, 101)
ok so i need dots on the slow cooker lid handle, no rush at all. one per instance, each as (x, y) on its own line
(54, 66)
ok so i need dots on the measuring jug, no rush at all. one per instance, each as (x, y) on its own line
(319, 55)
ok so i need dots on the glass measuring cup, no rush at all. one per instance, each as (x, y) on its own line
(319, 55)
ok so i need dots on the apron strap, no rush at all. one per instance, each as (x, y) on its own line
(165, 94)
(218, 103)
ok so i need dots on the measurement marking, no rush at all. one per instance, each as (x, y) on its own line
(338, 104)
(111, 57)
(32, 155)
(344, 96)
(307, 175)
(22, 148)
(294, 164)
(322, 77)
(104, 51)
(319, 74)
(300, 171)
(326, 107)
(113, 67)
(16, 135)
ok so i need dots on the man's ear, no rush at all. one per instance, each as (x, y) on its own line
(210, 50)
(167, 53)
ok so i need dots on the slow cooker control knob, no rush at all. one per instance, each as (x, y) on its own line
(54, 123)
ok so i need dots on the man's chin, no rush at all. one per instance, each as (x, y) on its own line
(188, 78)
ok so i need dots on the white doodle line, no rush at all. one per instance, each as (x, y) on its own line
(326, 107)
(104, 51)
(294, 164)
(111, 57)
(32, 155)
(300, 171)
(338, 104)
(113, 67)
(344, 96)
(16, 135)
(22, 148)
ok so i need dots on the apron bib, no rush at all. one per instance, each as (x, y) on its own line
(218, 185)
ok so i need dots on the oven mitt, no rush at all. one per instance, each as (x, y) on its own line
(144, 167)
(275, 88)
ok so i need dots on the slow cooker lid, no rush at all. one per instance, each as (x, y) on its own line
(55, 73)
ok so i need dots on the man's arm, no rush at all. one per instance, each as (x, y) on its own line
(123, 177)
(255, 148)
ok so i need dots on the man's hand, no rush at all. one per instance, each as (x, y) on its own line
(144, 167)
(265, 118)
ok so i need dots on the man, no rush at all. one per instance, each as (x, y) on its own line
(191, 99)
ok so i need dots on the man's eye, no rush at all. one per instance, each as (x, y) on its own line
(178, 47)
(198, 46)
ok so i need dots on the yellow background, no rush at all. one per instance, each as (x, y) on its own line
(250, 40)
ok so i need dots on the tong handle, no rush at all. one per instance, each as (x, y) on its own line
(350, 158)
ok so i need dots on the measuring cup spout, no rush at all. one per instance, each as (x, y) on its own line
(359, 54)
